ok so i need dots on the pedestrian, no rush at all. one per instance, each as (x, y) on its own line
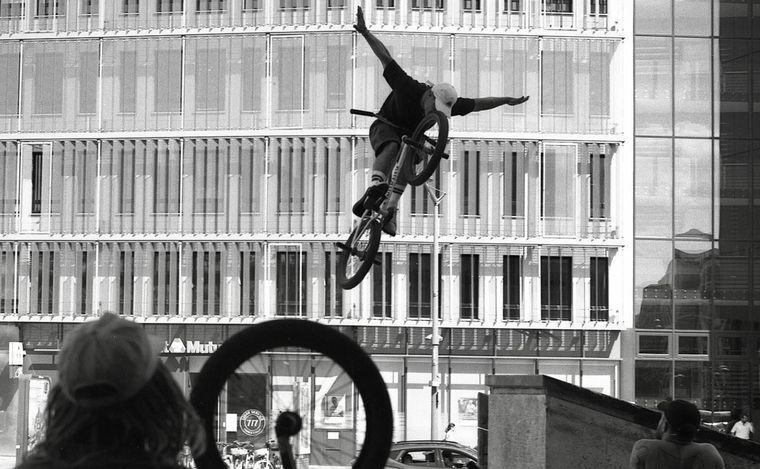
(743, 428)
(115, 405)
(406, 106)
(676, 449)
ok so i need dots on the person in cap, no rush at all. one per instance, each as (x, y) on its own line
(406, 106)
(675, 447)
(115, 405)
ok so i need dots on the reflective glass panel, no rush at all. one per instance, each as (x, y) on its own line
(692, 382)
(653, 186)
(692, 284)
(692, 17)
(732, 190)
(653, 17)
(654, 86)
(692, 188)
(652, 382)
(693, 87)
(653, 285)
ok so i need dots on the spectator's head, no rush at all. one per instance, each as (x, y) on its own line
(745, 418)
(114, 394)
(681, 417)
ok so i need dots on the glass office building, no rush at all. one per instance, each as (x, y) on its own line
(697, 257)
(191, 164)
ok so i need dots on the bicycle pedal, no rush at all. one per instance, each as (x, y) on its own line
(445, 156)
(342, 246)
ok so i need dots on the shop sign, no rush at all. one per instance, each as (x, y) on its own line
(193, 346)
(252, 422)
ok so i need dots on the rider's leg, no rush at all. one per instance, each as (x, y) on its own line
(384, 156)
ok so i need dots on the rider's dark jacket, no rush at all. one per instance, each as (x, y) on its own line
(403, 107)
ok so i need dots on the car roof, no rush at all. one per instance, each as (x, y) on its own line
(438, 443)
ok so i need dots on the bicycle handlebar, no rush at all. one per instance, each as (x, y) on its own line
(359, 112)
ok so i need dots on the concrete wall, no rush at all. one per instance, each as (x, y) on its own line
(537, 422)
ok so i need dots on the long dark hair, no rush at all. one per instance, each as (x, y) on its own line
(153, 425)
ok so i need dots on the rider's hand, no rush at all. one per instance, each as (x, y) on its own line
(516, 101)
(360, 26)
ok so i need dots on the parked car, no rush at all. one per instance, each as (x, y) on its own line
(431, 453)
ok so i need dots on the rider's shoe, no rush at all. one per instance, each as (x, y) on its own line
(370, 198)
(389, 227)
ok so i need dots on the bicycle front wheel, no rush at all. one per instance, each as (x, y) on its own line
(358, 254)
(433, 133)
(295, 345)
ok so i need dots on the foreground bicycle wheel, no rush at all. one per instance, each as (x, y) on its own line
(433, 131)
(314, 337)
(358, 254)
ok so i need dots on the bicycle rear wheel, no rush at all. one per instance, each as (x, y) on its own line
(314, 337)
(420, 165)
(358, 254)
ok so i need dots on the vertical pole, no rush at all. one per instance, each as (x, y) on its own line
(435, 380)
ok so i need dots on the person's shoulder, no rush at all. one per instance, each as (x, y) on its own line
(708, 452)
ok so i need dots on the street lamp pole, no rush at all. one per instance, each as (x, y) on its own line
(435, 380)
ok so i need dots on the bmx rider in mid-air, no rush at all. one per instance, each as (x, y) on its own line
(406, 105)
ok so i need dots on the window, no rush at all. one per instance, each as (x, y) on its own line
(471, 6)
(558, 6)
(600, 188)
(163, 168)
(8, 178)
(89, 7)
(558, 78)
(48, 83)
(7, 276)
(88, 82)
(386, 4)
(511, 278)
(599, 82)
(288, 73)
(469, 283)
(291, 164)
(600, 309)
(128, 82)
(252, 159)
(206, 283)
(168, 6)
(210, 5)
(558, 176)
(654, 344)
(427, 4)
(336, 4)
(126, 281)
(599, 6)
(471, 59)
(12, 8)
(251, 5)
(514, 183)
(333, 292)
(206, 162)
(470, 183)
(382, 291)
(79, 161)
(254, 66)
(556, 288)
(130, 7)
(44, 280)
(291, 292)
(9, 77)
(511, 6)
(294, 4)
(420, 199)
(167, 80)
(333, 181)
(37, 180)
(123, 161)
(50, 8)
(338, 70)
(247, 283)
(165, 282)
(691, 345)
(420, 289)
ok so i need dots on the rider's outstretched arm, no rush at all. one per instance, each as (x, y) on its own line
(375, 44)
(484, 104)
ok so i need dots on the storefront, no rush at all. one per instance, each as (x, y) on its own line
(318, 389)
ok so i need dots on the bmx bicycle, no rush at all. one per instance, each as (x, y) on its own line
(275, 334)
(418, 158)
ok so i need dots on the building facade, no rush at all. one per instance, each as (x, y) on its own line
(697, 134)
(191, 164)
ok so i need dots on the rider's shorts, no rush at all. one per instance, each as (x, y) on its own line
(381, 133)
